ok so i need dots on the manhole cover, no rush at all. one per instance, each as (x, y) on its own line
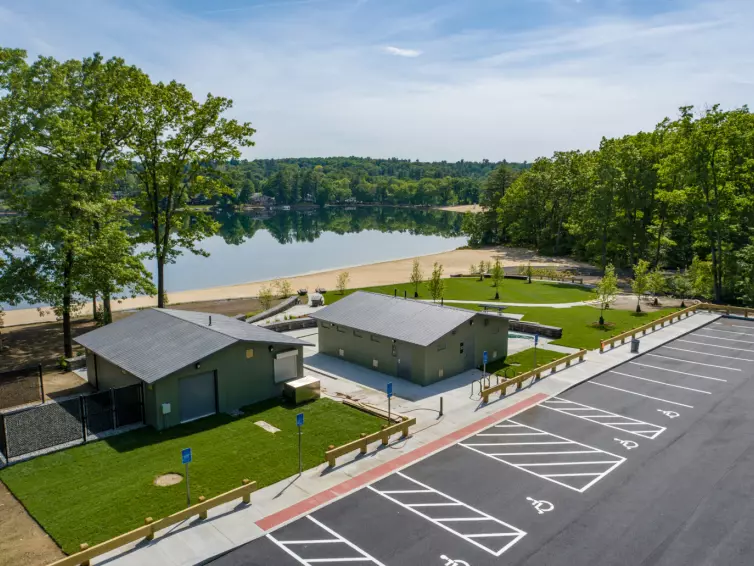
(168, 479)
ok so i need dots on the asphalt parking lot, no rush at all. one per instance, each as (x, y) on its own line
(651, 463)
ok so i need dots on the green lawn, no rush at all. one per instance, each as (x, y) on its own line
(471, 289)
(94, 492)
(522, 362)
(579, 324)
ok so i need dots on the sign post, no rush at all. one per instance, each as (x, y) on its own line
(484, 363)
(299, 424)
(389, 396)
(186, 458)
(536, 341)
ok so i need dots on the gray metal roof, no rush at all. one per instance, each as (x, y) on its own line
(407, 320)
(154, 343)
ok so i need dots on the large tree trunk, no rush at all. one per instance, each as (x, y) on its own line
(160, 283)
(94, 307)
(67, 299)
(107, 313)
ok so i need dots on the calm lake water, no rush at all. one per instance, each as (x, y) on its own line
(252, 247)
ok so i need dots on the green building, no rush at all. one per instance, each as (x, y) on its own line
(419, 341)
(191, 364)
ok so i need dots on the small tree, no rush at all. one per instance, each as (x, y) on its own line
(473, 270)
(416, 277)
(682, 287)
(284, 288)
(640, 282)
(266, 297)
(498, 274)
(529, 272)
(481, 270)
(656, 283)
(607, 290)
(436, 283)
(700, 275)
(342, 282)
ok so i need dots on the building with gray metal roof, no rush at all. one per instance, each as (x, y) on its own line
(415, 340)
(191, 363)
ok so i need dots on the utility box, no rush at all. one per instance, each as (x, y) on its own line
(634, 345)
(302, 389)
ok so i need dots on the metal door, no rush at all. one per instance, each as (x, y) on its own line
(404, 361)
(197, 396)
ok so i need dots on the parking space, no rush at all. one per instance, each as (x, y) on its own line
(648, 463)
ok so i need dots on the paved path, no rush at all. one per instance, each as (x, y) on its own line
(233, 524)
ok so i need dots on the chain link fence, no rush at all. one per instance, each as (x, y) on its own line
(21, 387)
(71, 421)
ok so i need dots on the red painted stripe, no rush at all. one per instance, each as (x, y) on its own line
(370, 476)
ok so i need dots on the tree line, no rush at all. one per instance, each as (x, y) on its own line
(680, 195)
(72, 135)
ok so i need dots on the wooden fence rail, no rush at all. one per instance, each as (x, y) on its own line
(536, 374)
(147, 532)
(366, 439)
(685, 313)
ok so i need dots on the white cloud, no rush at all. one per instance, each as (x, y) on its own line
(316, 82)
(401, 52)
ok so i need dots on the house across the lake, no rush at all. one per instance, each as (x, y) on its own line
(415, 340)
(191, 364)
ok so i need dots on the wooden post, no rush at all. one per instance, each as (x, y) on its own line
(404, 429)
(148, 521)
(552, 370)
(568, 363)
(602, 347)
(385, 436)
(581, 358)
(247, 495)
(330, 457)
(202, 514)
(82, 548)
(363, 447)
(485, 398)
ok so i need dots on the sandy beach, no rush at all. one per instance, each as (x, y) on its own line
(383, 273)
(473, 208)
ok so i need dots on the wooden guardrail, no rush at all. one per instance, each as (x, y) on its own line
(147, 531)
(726, 309)
(684, 313)
(536, 374)
(366, 439)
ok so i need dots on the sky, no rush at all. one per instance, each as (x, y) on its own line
(418, 79)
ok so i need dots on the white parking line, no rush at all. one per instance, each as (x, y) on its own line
(728, 331)
(708, 354)
(726, 339)
(691, 362)
(681, 372)
(750, 327)
(339, 540)
(661, 382)
(713, 346)
(512, 457)
(619, 422)
(641, 394)
(505, 534)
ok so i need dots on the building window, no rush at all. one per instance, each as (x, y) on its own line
(357, 333)
(375, 338)
(441, 346)
(340, 329)
(325, 325)
(249, 353)
(395, 349)
(462, 347)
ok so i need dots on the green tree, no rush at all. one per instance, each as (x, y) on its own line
(498, 274)
(745, 279)
(701, 275)
(682, 288)
(640, 282)
(607, 290)
(175, 143)
(436, 283)
(417, 277)
(656, 283)
(266, 297)
(342, 282)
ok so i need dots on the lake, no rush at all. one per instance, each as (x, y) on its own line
(255, 247)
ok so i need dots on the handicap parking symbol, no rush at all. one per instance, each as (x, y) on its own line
(627, 444)
(541, 506)
(669, 414)
(451, 562)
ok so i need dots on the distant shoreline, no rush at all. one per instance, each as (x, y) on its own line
(472, 208)
(367, 275)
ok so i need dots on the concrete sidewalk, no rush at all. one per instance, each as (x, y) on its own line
(231, 525)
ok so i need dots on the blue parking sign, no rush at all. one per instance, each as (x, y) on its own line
(536, 338)
(390, 389)
(484, 357)
(300, 419)
(186, 455)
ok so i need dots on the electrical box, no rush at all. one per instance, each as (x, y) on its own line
(166, 408)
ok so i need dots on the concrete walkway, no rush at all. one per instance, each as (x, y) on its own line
(493, 304)
(233, 524)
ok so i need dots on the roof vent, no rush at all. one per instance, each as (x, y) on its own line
(210, 320)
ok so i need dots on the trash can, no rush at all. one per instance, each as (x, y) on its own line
(634, 345)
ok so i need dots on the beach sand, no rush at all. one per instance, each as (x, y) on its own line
(474, 208)
(383, 273)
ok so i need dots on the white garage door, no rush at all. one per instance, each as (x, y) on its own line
(286, 366)
(197, 396)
